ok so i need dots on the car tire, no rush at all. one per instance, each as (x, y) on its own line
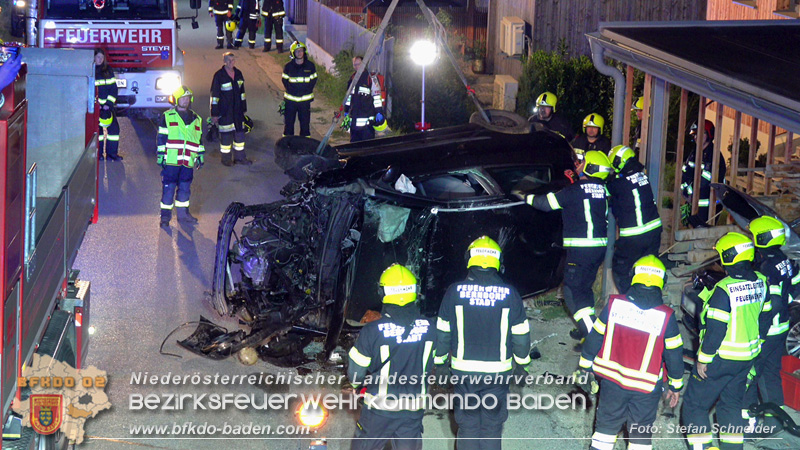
(501, 121)
(793, 341)
(221, 260)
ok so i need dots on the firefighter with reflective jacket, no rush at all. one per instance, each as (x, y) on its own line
(769, 235)
(228, 108)
(399, 345)
(364, 107)
(221, 10)
(687, 178)
(247, 13)
(634, 207)
(546, 115)
(482, 326)
(106, 84)
(273, 13)
(585, 207)
(180, 150)
(735, 314)
(591, 139)
(632, 337)
(299, 78)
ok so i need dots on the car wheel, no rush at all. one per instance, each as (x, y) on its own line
(793, 341)
(501, 121)
(222, 283)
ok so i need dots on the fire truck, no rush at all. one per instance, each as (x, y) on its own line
(48, 198)
(140, 38)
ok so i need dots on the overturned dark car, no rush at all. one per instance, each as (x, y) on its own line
(310, 264)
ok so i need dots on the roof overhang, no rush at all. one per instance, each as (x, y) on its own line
(751, 66)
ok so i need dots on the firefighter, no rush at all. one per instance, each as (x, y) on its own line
(546, 115)
(736, 312)
(687, 178)
(221, 10)
(482, 326)
(632, 337)
(638, 109)
(247, 14)
(769, 235)
(634, 206)
(584, 207)
(591, 139)
(399, 344)
(364, 107)
(273, 13)
(107, 92)
(299, 79)
(180, 150)
(228, 108)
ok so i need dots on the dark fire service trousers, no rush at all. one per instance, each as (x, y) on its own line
(481, 428)
(112, 143)
(617, 406)
(222, 32)
(374, 428)
(627, 250)
(579, 276)
(358, 134)
(767, 379)
(301, 111)
(725, 382)
(173, 177)
(271, 23)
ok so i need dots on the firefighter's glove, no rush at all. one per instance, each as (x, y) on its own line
(379, 118)
(686, 210)
(519, 194)
(161, 161)
(346, 122)
(586, 381)
(282, 108)
(200, 162)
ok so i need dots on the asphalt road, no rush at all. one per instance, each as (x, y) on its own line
(146, 282)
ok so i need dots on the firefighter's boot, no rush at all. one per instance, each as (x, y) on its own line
(166, 216)
(241, 158)
(184, 216)
(227, 159)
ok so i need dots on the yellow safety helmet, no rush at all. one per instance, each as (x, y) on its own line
(597, 165)
(182, 91)
(295, 46)
(399, 285)
(649, 271)
(735, 247)
(580, 154)
(594, 120)
(547, 99)
(619, 156)
(638, 105)
(380, 126)
(106, 118)
(484, 252)
(230, 25)
(767, 232)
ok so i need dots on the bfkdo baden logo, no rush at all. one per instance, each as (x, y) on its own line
(62, 398)
(46, 412)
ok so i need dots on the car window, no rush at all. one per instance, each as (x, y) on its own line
(525, 179)
(449, 186)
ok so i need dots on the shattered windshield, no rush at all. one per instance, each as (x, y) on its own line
(525, 179)
(109, 9)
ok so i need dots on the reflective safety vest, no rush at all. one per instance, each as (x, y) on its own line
(633, 346)
(183, 142)
(747, 299)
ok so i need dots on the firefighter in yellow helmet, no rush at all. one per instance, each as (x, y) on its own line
(483, 328)
(634, 335)
(547, 116)
(591, 139)
(584, 206)
(769, 234)
(399, 345)
(180, 150)
(736, 313)
(638, 109)
(299, 79)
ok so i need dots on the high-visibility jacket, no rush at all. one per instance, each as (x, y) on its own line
(629, 343)
(482, 325)
(272, 8)
(247, 9)
(228, 100)
(779, 270)
(363, 104)
(585, 210)
(733, 319)
(388, 349)
(220, 7)
(687, 176)
(299, 81)
(632, 201)
(106, 84)
(180, 143)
